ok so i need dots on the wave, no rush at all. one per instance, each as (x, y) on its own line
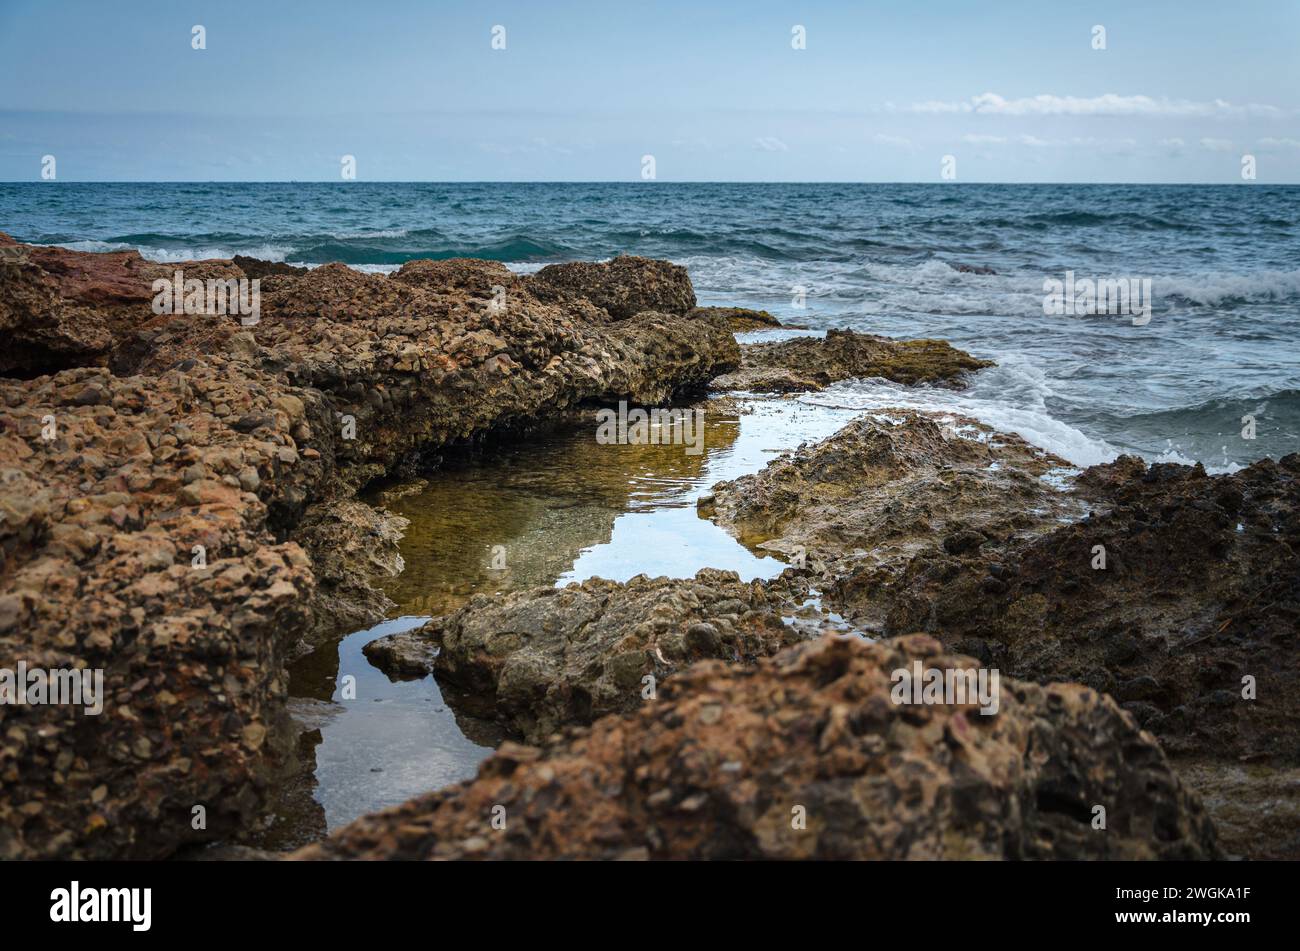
(266, 252)
(1010, 398)
(518, 248)
(1229, 288)
(1013, 397)
(387, 248)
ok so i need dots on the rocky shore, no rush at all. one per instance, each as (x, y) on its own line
(806, 756)
(174, 486)
(179, 507)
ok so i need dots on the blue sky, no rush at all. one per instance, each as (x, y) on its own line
(1014, 91)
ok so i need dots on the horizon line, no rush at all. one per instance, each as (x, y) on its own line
(600, 181)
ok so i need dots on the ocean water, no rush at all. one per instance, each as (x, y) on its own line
(1223, 261)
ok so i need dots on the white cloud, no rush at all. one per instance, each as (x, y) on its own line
(1076, 142)
(1217, 145)
(770, 143)
(1271, 143)
(1109, 104)
(1174, 143)
(897, 140)
(979, 139)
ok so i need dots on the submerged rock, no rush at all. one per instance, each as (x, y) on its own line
(813, 363)
(549, 657)
(807, 756)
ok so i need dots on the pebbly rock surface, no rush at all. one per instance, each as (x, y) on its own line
(1175, 592)
(548, 657)
(622, 287)
(61, 309)
(156, 469)
(353, 549)
(130, 545)
(807, 756)
(813, 363)
(1195, 586)
(857, 508)
(740, 319)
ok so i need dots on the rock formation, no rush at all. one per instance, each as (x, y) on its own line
(807, 756)
(156, 469)
(813, 363)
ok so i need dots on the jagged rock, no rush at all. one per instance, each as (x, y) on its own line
(256, 268)
(61, 308)
(729, 759)
(813, 363)
(975, 537)
(858, 507)
(352, 546)
(548, 657)
(147, 488)
(1201, 588)
(740, 318)
(623, 287)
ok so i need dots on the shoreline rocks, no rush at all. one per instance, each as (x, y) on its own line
(1200, 587)
(857, 508)
(548, 657)
(1176, 592)
(156, 469)
(806, 756)
(813, 363)
(740, 319)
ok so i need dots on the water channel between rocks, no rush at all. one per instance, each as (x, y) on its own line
(556, 509)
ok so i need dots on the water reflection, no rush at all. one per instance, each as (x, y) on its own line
(548, 511)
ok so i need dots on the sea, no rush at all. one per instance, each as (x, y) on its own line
(1215, 362)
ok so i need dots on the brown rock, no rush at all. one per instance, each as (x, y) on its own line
(807, 756)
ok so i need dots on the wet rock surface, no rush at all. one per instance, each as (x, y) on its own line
(353, 549)
(807, 756)
(813, 363)
(1176, 592)
(740, 319)
(153, 484)
(549, 657)
(857, 508)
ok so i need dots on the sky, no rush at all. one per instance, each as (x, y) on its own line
(585, 91)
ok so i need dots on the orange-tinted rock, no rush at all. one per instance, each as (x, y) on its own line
(807, 756)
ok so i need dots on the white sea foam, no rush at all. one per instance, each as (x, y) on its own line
(1009, 398)
(266, 252)
(1217, 288)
